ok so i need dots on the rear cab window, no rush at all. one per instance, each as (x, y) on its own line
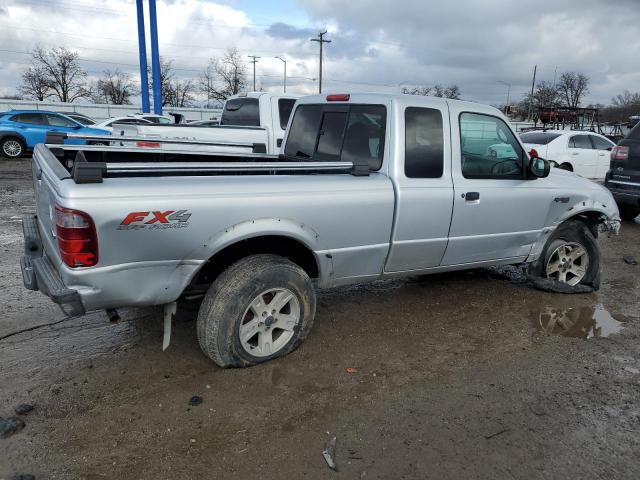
(348, 133)
(242, 112)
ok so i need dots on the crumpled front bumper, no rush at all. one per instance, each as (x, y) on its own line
(610, 226)
(38, 273)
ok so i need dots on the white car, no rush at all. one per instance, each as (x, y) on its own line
(146, 119)
(585, 153)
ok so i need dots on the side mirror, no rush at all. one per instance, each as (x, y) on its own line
(539, 167)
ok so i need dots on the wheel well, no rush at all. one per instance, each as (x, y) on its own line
(286, 247)
(590, 219)
(568, 165)
(17, 137)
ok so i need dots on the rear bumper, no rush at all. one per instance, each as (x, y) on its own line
(39, 274)
(625, 196)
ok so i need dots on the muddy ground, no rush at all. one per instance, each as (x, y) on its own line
(457, 376)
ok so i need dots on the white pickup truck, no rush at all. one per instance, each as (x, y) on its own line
(256, 118)
(369, 186)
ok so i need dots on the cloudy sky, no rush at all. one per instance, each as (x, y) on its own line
(377, 45)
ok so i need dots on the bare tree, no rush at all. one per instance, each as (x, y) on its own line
(60, 72)
(115, 87)
(573, 86)
(626, 98)
(224, 77)
(166, 76)
(180, 93)
(35, 84)
(546, 94)
(452, 91)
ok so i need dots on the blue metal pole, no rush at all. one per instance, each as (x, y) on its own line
(155, 59)
(142, 49)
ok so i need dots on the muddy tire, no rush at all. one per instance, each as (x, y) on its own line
(628, 212)
(571, 255)
(261, 307)
(11, 147)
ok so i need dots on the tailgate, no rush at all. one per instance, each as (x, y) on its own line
(46, 175)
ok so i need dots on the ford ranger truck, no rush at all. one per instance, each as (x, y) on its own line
(368, 187)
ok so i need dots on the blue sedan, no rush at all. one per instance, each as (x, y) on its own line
(21, 130)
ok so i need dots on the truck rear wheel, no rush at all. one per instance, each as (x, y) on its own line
(261, 307)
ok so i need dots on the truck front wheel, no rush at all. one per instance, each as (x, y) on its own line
(261, 307)
(571, 256)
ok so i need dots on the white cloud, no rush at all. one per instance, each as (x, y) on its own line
(376, 44)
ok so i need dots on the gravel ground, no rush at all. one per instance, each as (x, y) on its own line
(456, 376)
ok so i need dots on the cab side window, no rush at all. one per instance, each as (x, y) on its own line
(489, 148)
(580, 141)
(285, 106)
(424, 143)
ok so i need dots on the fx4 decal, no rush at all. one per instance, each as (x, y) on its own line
(155, 220)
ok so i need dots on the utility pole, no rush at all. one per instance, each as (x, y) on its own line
(254, 61)
(284, 85)
(142, 51)
(533, 84)
(156, 74)
(508, 85)
(320, 40)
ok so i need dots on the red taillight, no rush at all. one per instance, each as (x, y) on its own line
(533, 153)
(620, 153)
(146, 144)
(338, 97)
(77, 239)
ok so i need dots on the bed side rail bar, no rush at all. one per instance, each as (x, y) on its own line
(94, 172)
(58, 138)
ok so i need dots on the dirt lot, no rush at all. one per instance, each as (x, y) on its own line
(455, 379)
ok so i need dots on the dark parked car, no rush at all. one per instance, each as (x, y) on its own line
(623, 178)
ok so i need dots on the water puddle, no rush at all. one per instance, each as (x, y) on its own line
(581, 322)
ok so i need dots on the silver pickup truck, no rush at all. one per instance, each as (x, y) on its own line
(367, 186)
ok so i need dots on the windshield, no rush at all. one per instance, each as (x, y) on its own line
(538, 138)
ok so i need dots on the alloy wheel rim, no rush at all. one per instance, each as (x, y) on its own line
(568, 263)
(269, 322)
(12, 148)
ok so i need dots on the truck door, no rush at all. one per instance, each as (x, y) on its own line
(424, 190)
(498, 213)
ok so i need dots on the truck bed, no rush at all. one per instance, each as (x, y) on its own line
(223, 201)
